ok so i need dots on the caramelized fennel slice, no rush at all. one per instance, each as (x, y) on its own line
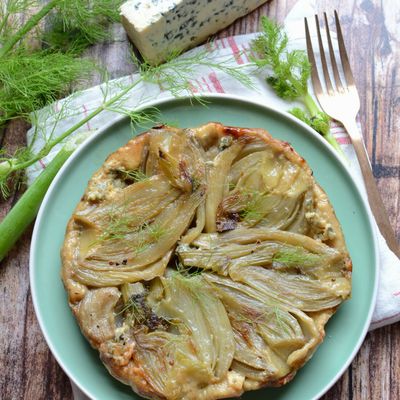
(140, 247)
(300, 291)
(193, 357)
(129, 208)
(217, 183)
(278, 250)
(268, 190)
(95, 314)
(181, 161)
(280, 329)
(188, 300)
(178, 157)
(116, 277)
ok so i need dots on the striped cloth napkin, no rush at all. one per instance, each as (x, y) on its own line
(237, 48)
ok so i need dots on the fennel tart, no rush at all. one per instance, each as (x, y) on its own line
(202, 263)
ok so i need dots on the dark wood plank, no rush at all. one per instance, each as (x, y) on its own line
(374, 47)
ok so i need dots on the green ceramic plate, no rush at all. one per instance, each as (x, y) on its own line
(345, 331)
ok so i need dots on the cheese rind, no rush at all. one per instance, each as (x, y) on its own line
(159, 28)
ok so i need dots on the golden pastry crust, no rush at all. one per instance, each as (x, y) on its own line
(203, 191)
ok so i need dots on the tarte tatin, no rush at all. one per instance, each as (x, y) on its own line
(204, 262)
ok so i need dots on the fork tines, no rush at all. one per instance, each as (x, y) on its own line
(337, 84)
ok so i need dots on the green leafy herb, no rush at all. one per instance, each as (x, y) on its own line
(29, 81)
(77, 24)
(117, 227)
(270, 312)
(134, 309)
(9, 166)
(155, 231)
(10, 33)
(32, 76)
(252, 211)
(280, 322)
(296, 256)
(119, 224)
(133, 175)
(70, 24)
(290, 71)
(175, 75)
(186, 271)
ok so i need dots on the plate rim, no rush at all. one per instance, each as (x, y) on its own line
(162, 101)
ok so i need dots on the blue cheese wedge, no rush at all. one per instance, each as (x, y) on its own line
(161, 27)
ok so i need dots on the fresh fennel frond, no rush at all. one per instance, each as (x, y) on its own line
(289, 74)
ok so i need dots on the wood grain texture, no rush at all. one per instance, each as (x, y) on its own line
(372, 34)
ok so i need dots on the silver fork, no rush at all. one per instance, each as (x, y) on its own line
(341, 102)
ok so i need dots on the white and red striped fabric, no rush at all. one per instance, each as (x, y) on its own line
(206, 80)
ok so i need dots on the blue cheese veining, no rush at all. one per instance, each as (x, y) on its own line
(160, 27)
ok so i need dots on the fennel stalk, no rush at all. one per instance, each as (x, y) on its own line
(32, 22)
(25, 210)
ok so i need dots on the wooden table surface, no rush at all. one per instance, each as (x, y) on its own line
(372, 33)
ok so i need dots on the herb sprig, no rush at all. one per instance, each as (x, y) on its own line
(290, 71)
(74, 24)
(252, 210)
(175, 75)
(295, 256)
(78, 24)
(132, 175)
(29, 81)
(32, 76)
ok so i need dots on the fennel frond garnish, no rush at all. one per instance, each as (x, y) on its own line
(295, 256)
(252, 209)
(289, 74)
(283, 327)
(186, 272)
(29, 81)
(119, 225)
(132, 175)
(133, 307)
(78, 24)
(176, 73)
(32, 76)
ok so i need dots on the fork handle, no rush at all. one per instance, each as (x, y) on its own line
(374, 198)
